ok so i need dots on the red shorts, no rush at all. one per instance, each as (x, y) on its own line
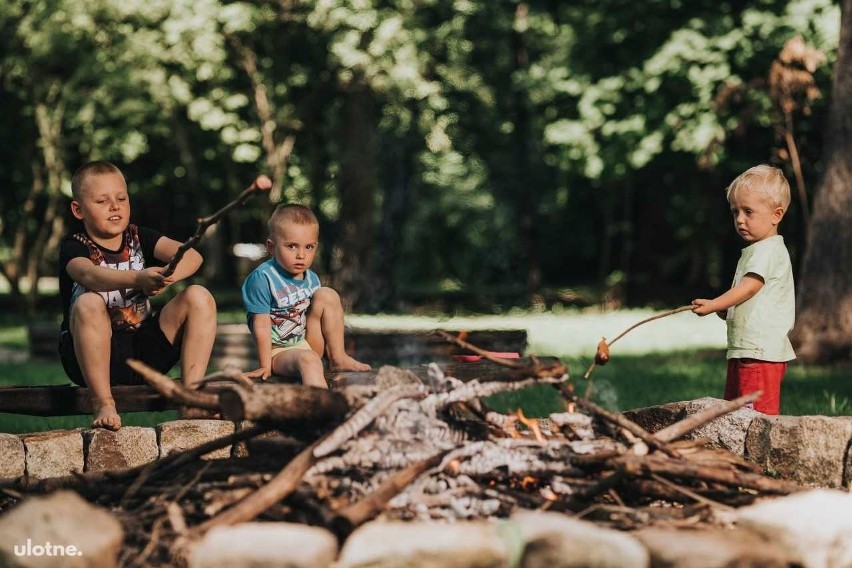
(746, 376)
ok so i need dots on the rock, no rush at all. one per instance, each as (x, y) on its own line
(181, 435)
(253, 545)
(129, 447)
(553, 540)
(655, 418)
(728, 431)
(429, 545)
(812, 528)
(54, 454)
(714, 548)
(60, 529)
(808, 449)
(14, 461)
(390, 376)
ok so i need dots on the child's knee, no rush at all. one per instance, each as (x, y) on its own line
(89, 308)
(325, 297)
(199, 299)
(309, 360)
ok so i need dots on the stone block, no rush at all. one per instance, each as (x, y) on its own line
(429, 545)
(13, 464)
(390, 376)
(129, 447)
(554, 540)
(181, 435)
(808, 449)
(250, 545)
(812, 527)
(54, 454)
(713, 548)
(60, 529)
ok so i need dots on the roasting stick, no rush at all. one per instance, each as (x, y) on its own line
(602, 354)
(262, 183)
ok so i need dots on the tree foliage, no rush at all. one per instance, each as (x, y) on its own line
(500, 149)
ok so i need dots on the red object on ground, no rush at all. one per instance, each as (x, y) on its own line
(497, 354)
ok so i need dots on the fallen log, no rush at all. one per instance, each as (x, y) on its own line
(282, 403)
(259, 402)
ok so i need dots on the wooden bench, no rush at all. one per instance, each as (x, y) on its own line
(235, 346)
(66, 400)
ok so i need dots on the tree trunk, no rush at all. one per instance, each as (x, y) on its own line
(527, 187)
(824, 325)
(51, 226)
(353, 265)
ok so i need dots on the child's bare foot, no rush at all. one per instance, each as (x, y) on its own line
(106, 416)
(347, 363)
(193, 413)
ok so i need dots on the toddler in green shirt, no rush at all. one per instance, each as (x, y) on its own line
(759, 309)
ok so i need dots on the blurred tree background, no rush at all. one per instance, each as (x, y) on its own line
(458, 152)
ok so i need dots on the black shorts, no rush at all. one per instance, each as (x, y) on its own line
(148, 344)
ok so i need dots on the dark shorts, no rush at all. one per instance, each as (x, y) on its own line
(148, 344)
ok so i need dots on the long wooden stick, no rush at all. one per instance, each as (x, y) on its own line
(652, 464)
(608, 344)
(283, 484)
(520, 370)
(627, 424)
(511, 363)
(690, 423)
(262, 183)
(172, 389)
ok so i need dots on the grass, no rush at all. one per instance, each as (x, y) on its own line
(677, 358)
(635, 381)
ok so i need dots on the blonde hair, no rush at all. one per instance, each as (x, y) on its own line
(290, 213)
(767, 180)
(84, 172)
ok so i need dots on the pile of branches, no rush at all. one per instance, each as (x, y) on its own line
(412, 448)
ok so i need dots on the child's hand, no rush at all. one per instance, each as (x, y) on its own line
(151, 280)
(262, 373)
(702, 307)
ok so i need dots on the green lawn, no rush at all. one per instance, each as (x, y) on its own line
(634, 381)
(675, 358)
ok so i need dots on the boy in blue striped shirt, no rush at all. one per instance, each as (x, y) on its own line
(294, 320)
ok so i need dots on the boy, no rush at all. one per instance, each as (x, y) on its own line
(293, 319)
(760, 306)
(105, 281)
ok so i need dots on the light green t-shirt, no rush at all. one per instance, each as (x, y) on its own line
(758, 327)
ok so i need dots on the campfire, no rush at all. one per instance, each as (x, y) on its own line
(412, 448)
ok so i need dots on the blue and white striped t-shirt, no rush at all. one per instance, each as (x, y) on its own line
(270, 289)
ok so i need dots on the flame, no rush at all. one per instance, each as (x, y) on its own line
(453, 467)
(462, 335)
(528, 481)
(532, 424)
